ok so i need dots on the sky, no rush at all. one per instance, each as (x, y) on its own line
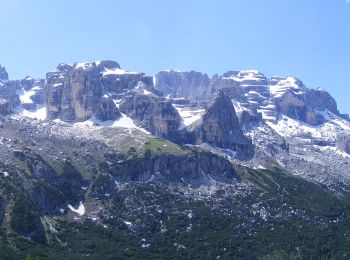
(309, 39)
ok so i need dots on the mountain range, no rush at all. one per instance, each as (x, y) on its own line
(98, 161)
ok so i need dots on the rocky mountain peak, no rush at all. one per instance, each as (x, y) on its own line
(3, 73)
(221, 126)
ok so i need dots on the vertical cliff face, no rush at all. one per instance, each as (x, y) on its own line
(221, 126)
(107, 110)
(73, 92)
(343, 142)
(183, 84)
(294, 99)
(153, 113)
(5, 107)
(166, 120)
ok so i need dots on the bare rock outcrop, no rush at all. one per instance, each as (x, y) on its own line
(73, 92)
(5, 107)
(107, 110)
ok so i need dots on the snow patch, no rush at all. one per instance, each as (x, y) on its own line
(127, 223)
(123, 122)
(117, 71)
(39, 114)
(237, 105)
(289, 127)
(188, 115)
(283, 85)
(25, 96)
(83, 65)
(80, 210)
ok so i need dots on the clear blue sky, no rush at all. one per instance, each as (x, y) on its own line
(309, 39)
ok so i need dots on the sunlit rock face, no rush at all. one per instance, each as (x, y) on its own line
(175, 83)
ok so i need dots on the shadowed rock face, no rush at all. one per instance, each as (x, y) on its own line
(177, 167)
(139, 107)
(3, 74)
(8, 90)
(249, 118)
(182, 84)
(114, 83)
(166, 120)
(107, 110)
(154, 114)
(5, 107)
(343, 143)
(221, 126)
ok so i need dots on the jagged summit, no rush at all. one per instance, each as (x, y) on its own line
(3, 73)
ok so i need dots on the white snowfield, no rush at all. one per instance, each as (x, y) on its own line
(172, 70)
(246, 75)
(25, 96)
(188, 115)
(237, 105)
(123, 122)
(83, 65)
(117, 71)
(277, 90)
(80, 210)
(39, 114)
(288, 127)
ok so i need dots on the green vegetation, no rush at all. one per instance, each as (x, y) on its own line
(295, 191)
(280, 216)
(157, 146)
(25, 219)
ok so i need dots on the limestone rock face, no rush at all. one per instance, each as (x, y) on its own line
(295, 100)
(182, 84)
(140, 107)
(153, 113)
(221, 127)
(9, 91)
(305, 106)
(294, 105)
(73, 92)
(107, 110)
(248, 86)
(3, 74)
(249, 118)
(343, 143)
(118, 81)
(5, 107)
(166, 120)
